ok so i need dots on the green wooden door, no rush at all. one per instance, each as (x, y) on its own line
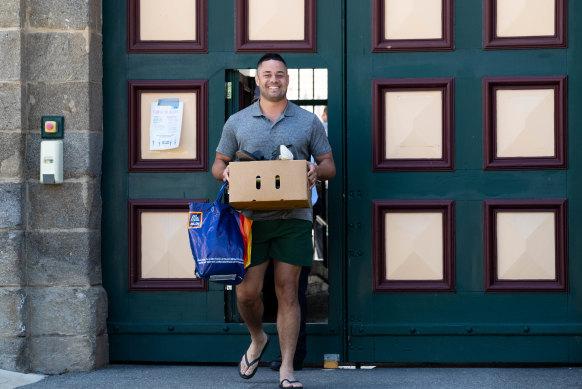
(452, 235)
(153, 318)
(444, 247)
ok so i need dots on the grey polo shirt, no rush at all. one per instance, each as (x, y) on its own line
(252, 131)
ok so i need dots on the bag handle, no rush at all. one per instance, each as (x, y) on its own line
(221, 192)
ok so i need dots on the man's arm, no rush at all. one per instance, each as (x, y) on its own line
(220, 167)
(324, 170)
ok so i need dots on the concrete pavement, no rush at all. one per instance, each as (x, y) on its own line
(226, 377)
(10, 379)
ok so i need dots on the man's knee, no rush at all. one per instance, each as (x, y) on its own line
(249, 290)
(247, 300)
(247, 296)
(286, 293)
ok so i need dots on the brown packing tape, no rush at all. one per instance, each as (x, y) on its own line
(269, 185)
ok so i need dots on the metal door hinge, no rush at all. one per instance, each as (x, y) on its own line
(355, 193)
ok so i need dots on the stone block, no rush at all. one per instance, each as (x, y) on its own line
(59, 14)
(11, 260)
(10, 106)
(63, 354)
(10, 53)
(101, 351)
(11, 154)
(63, 258)
(96, 107)
(57, 57)
(67, 205)
(32, 157)
(92, 167)
(10, 13)
(13, 314)
(96, 58)
(79, 102)
(67, 311)
(81, 155)
(13, 354)
(10, 205)
(95, 15)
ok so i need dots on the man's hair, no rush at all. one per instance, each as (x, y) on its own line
(269, 57)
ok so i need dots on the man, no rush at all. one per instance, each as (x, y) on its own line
(284, 236)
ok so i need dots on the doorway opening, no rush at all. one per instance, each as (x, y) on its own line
(308, 88)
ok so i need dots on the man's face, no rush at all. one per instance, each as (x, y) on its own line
(272, 79)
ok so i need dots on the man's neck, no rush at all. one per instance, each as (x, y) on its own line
(272, 109)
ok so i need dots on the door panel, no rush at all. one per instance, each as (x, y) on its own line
(467, 324)
(179, 325)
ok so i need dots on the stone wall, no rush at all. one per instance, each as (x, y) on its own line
(52, 304)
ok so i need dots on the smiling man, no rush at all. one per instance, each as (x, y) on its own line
(281, 236)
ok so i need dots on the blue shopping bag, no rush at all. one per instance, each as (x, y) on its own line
(220, 239)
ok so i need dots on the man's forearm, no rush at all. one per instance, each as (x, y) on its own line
(325, 169)
(218, 168)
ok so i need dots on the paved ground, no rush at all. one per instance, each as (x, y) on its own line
(225, 377)
(9, 379)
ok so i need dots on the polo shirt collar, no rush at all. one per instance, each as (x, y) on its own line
(289, 109)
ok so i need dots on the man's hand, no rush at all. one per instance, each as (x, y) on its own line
(311, 174)
(225, 174)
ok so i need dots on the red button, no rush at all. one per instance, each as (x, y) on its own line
(49, 126)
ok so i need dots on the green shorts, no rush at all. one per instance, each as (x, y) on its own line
(287, 240)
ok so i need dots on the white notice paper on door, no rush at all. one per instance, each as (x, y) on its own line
(165, 126)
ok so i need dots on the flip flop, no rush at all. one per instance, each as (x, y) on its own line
(289, 382)
(256, 361)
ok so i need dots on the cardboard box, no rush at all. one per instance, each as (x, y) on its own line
(269, 185)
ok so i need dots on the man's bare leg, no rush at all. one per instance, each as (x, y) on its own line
(250, 306)
(288, 315)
